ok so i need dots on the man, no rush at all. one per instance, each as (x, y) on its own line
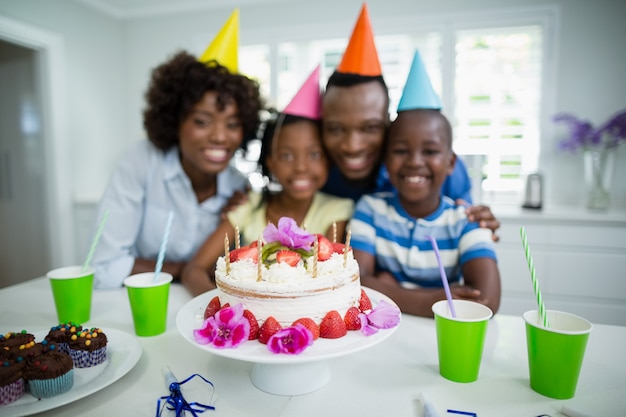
(355, 110)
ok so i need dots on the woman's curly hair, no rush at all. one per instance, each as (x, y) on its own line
(178, 84)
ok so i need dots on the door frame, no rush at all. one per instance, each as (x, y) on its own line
(51, 82)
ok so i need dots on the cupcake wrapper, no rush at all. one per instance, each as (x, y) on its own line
(12, 392)
(45, 388)
(85, 359)
(63, 347)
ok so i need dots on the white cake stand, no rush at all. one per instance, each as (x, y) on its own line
(282, 374)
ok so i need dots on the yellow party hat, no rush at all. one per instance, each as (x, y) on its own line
(225, 47)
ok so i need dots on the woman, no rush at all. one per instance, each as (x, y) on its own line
(197, 116)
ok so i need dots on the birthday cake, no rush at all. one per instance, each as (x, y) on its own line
(293, 275)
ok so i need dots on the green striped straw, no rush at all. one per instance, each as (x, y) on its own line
(533, 276)
(96, 238)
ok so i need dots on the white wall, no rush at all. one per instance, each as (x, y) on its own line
(95, 79)
(109, 62)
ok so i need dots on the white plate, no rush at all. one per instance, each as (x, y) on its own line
(190, 317)
(123, 353)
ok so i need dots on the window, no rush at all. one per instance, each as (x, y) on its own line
(489, 71)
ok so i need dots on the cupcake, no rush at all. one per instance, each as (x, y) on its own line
(88, 347)
(14, 344)
(60, 335)
(50, 374)
(12, 385)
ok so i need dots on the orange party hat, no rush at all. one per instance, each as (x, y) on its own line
(225, 47)
(361, 56)
(308, 100)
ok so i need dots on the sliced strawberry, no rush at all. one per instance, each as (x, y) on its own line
(324, 248)
(365, 303)
(213, 307)
(332, 326)
(309, 324)
(268, 329)
(254, 324)
(352, 320)
(289, 257)
(338, 247)
(245, 252)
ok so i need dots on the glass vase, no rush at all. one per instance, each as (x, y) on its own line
(598, 175)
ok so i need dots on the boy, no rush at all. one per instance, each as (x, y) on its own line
(390, 229)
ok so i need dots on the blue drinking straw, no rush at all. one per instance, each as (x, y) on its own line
(161, 256)
(96, 238)
(444, 278)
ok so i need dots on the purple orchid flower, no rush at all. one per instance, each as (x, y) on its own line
(383, 316)
(291, 340)
(228, 328)
(288, 234)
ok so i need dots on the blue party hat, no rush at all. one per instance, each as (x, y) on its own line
(418, 91)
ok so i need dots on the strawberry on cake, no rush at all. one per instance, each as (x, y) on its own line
(288, 279)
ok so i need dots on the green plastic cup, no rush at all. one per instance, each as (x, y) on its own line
(71, 289)
(460, 339)
(148, 302)
(555, 354)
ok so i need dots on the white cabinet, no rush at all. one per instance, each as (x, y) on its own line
(580, 262)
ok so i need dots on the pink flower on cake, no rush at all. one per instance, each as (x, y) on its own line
(288, 234)
(228, 328)
(383, 316)
(291, 340)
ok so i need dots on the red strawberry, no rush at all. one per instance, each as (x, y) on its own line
(332, 326)
(364, 303)
(268, 329)
(213, 307)
(338, 247)
(352, 320)
(244, 252)
(254, 244)
(254, 325)
(309, 324)
(289, 257)
(324, 248)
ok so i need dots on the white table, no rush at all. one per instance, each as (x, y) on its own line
(383, 380)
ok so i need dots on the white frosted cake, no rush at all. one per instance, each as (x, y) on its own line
(291, 292)
(288, 289)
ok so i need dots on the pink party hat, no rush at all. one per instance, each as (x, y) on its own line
(225, 47)
(360, 56)
(418, 91)
(308, 100)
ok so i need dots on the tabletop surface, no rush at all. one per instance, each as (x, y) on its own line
(384, 380)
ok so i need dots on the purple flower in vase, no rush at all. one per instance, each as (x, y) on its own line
(383, 316)
(228, 328)
(288, 234)
(615, 129)
(582, 134)
(291, 340)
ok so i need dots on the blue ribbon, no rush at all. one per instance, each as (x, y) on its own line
(176, 402)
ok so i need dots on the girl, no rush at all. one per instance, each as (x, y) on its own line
(292, 155)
